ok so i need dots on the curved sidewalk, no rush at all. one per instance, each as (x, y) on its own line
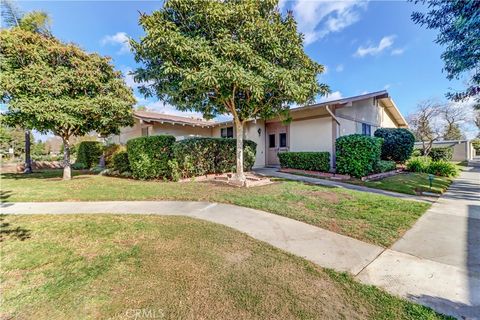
(325, 248)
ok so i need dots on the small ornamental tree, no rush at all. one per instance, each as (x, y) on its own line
(226, 57)
(55, 87)
(397, 145)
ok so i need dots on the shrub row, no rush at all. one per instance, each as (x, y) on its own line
(88, 154)
(162, 157)
(200, 156)
(357, 154)
(148, 156)
(426, 165)
(315, 161)
(436, 154)
(397, 145)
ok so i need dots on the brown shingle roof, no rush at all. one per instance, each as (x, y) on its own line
(161, 117)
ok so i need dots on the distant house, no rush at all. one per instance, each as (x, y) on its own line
(313, 127)
(462, 149)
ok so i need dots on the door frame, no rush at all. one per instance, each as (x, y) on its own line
(275, 127)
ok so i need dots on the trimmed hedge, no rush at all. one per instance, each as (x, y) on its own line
(358, 154)
(445, 154)
(120, 162)
(88, 153)
(397, 145)
(314, 161)
(384, 166)
(148, 156)
(200, 156)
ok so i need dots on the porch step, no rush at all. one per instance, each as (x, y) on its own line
(474, 163)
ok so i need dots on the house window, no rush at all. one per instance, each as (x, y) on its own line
(283, 140)
(145, 132)
(366, 129)
(271, 141)
(226, 132)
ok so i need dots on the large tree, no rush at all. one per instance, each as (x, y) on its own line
(35, 21)
(241, 58)
(425, 124)
(55, 87)
(458, 23)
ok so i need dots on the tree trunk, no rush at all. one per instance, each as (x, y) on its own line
(28, 159)
(67, 170)
(240, 176)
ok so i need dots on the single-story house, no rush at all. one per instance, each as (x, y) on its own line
(462, 149)
(313, 127)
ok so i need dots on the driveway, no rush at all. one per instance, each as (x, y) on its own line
(437, 262)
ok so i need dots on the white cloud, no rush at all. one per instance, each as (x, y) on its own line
(119, 38)
(385, 43)
(340, 68)
(336, 95)
(316, 19)
(397, 51)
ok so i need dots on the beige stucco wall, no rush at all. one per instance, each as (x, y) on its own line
(366, 111)
(250, 133)
(311, 135)
(179, 131)
(387, 120)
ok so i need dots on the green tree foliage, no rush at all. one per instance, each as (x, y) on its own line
(51, 86)
(458, 23)
(35, 21)
(226, 57)
(397, 145)
(12, 138)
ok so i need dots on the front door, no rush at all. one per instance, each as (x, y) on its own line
(277, 141)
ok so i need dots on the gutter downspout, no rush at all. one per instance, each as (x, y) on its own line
(333, 116)
(335, 132)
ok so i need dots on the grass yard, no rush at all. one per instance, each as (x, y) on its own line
(116, 267)
(410, 183)
(373, 218)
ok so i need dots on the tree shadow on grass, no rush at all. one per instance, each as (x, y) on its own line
(51, 174)
(9, 231)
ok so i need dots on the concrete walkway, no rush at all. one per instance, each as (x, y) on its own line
(273, 172)
(325, 248)
(437, 262)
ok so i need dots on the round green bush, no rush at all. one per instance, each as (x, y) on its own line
(357, 154)
(397, 145)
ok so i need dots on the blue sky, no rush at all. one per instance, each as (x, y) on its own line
(366, 46)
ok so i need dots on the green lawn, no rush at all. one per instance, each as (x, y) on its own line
(410, 183)
(113, 267)
(373, 218)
